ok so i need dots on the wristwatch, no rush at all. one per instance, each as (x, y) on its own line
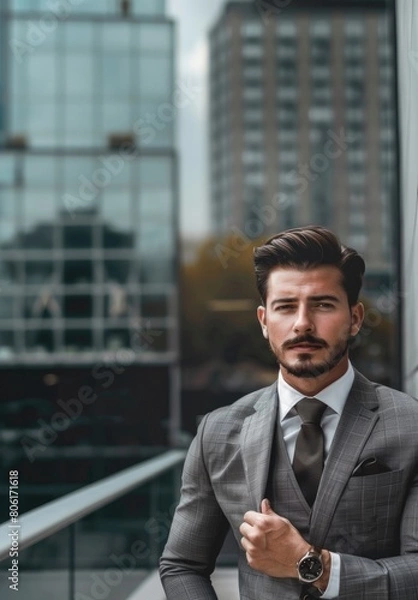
(310, 567)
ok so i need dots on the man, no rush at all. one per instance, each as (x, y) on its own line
(317, 475)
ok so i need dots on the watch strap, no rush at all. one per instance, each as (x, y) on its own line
(310, 592)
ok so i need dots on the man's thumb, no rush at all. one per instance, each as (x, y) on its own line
(266, 507)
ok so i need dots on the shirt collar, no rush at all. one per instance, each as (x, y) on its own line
(334, 395)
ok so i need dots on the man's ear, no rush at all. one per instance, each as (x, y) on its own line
(261, 316)
(357, 317)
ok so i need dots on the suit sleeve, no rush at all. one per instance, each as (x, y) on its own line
(197, 533)
(388, 578)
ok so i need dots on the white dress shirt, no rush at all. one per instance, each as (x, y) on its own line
(334, 396)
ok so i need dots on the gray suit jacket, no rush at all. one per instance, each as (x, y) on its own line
(371, 519)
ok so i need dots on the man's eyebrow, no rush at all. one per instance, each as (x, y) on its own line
(282, 300)
(316, 298)
(329, 297)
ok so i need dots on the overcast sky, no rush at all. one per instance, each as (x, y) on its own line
(194, 19)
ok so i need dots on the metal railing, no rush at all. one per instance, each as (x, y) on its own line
(48, 519)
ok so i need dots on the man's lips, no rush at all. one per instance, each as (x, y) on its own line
(305, 346)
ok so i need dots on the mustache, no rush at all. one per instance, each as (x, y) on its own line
(305, 339)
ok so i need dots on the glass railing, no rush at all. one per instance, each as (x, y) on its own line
(87, 545)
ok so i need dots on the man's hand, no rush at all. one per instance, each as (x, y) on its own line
(272, 545)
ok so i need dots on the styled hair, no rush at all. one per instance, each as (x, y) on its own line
(305, 248)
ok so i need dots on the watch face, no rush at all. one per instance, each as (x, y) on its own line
(310, 568)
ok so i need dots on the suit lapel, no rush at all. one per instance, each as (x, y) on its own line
(357, 421)
(256, 442)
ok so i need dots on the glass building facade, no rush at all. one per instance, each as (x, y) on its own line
(88, 240)
(88, 201)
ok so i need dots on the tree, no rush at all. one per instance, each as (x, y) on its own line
(218, 304)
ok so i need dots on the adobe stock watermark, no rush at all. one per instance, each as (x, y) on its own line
(38, 31)
(70, 410)
(102, 584)
(299, 178)
(146, 128)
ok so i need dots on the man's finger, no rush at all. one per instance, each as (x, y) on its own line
(245, 529)
(251, 517)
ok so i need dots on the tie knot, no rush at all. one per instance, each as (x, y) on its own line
(311, 410)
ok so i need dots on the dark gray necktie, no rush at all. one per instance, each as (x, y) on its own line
(308, 460)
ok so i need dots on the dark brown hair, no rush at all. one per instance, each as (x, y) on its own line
(305, 248)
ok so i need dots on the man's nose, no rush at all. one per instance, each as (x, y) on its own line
(303, 321)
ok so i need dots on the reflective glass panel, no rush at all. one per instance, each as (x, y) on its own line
(7, 303)
(79, 75)
(116, 270)
(79, 36)
(78, 306)
(116, 76)
(8, 225)
(41, 120)
(154, 128)
(39, 272)
(9, 272)
(19, 118)
(77, 236)
(42, 80)
(40, 173)
(155, 173)
(79, 117)
(155, 76)
(116, 338)
(78, 339)
(41, 306)
(39, 213)
(148, 7)
(117, 116)
(78, 271)
(119, 304)
(40, 339)
(19, 78)
(6, 343)
(154, 305)
(116, 37)
(116, 208)
(154, 37)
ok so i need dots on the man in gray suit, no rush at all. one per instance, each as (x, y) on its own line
(316, 475)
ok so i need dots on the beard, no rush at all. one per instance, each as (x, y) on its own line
(305, 367)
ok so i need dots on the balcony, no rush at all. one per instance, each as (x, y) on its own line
(80, 546)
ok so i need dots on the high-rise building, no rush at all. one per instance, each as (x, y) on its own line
(303, 131)
(302, 121)
(88, 210)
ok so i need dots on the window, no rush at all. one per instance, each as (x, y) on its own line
(252, 29)
(8, 225)
(154, 37)
(252, 50)
(39, 216)
(117, 218)
(320, 28)
(354, 28)
(155, 76)
(253, 94)
(286, 28)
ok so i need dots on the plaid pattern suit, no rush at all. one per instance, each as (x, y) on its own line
(371, 520)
